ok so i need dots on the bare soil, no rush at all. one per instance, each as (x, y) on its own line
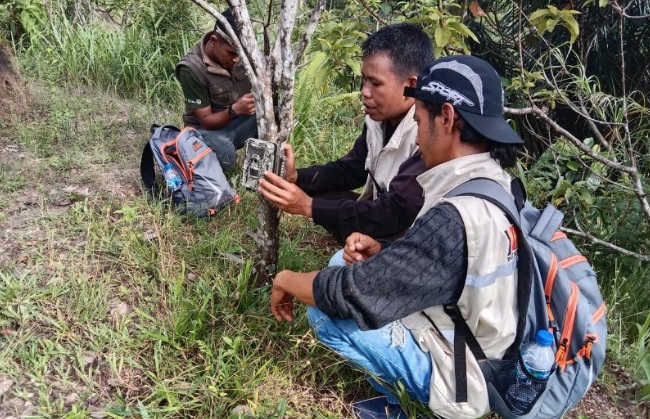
(12, 95)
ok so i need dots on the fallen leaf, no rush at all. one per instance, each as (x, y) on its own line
(150, 235)
(476, 10)
(5, 385)
(120, 309)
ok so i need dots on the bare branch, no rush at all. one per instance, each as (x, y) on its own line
(570, 137)
(608, 245)
(309, 31)
(373, 13)
(594, 129)
(638, 184)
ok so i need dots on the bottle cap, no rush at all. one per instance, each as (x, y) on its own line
(168, 166)
(544, 338)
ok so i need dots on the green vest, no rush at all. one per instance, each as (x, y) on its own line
(224, 88)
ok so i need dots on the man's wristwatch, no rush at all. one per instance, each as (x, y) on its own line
(231, 112)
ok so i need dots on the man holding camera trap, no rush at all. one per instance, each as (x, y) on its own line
(385, 157)
(395, 310)
(217, 94)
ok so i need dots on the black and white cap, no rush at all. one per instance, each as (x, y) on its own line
(474, 88)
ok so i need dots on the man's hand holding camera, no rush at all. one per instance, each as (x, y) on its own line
(284, 194)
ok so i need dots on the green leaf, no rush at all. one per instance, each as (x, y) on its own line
(441, 36)
(354, 65)
(550, 24)
(538, 14)
(573, 165)
(602, 3)
(572, 26)
(462, 29)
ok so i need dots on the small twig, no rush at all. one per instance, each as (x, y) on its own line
(316, 13)
(570, 137)
(373, 13)
(603, 243)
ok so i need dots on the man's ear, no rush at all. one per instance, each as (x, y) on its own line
(448, 114)
(412, 81)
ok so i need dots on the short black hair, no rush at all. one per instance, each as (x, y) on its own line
(505, 154)
(408, 47)
(227, 14)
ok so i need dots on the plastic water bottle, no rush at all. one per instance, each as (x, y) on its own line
(538, 359)
(174, 181)
(538, 356)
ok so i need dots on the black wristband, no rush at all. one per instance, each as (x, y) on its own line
(231, 112)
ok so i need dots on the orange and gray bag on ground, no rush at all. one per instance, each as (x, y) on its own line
(557, 291)
(205, 188)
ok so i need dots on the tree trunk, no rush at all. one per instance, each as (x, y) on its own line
(271, 71)
(268, 243)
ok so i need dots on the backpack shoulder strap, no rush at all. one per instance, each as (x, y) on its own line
(494, 193)
(147, 171)
(511, 206)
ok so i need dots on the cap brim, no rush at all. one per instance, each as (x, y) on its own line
(494, 128)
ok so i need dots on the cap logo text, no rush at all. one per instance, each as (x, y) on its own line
(453, 96)
(467, 72)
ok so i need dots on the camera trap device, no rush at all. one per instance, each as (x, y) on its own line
(261, 155)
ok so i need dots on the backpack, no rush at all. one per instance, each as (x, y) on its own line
(557, 291)
(205, 188)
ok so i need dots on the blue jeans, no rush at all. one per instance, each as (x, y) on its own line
(226, 141)
(337, 259)
(389, 353)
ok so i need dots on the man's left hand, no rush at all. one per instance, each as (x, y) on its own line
(281, 300)
(285, 195)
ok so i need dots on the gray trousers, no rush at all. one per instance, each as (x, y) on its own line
(226, 141)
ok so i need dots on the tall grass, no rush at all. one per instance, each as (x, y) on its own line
(130, 62)
(112, 304)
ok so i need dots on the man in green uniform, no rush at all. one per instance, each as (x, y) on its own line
(217, 94)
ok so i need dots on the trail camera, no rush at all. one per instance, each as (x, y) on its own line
(261, 155)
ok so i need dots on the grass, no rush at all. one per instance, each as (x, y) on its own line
(129, 62)
(111, 304)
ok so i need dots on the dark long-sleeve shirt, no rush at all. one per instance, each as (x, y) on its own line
(387, 216)
(426, 268)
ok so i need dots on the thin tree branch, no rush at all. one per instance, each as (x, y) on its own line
(373, 13)
(608, 245)
(638, 184)
(309, 31)
(570, 137)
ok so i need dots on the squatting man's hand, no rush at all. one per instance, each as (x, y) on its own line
(285, 195)
(286, 286)
(281, 300)
(245, 105)
(359, 247)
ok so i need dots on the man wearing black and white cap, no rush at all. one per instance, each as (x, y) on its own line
(384, 311)
(217, 94)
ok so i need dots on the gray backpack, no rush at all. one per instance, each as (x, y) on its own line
(557, 291)
(205, 188)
